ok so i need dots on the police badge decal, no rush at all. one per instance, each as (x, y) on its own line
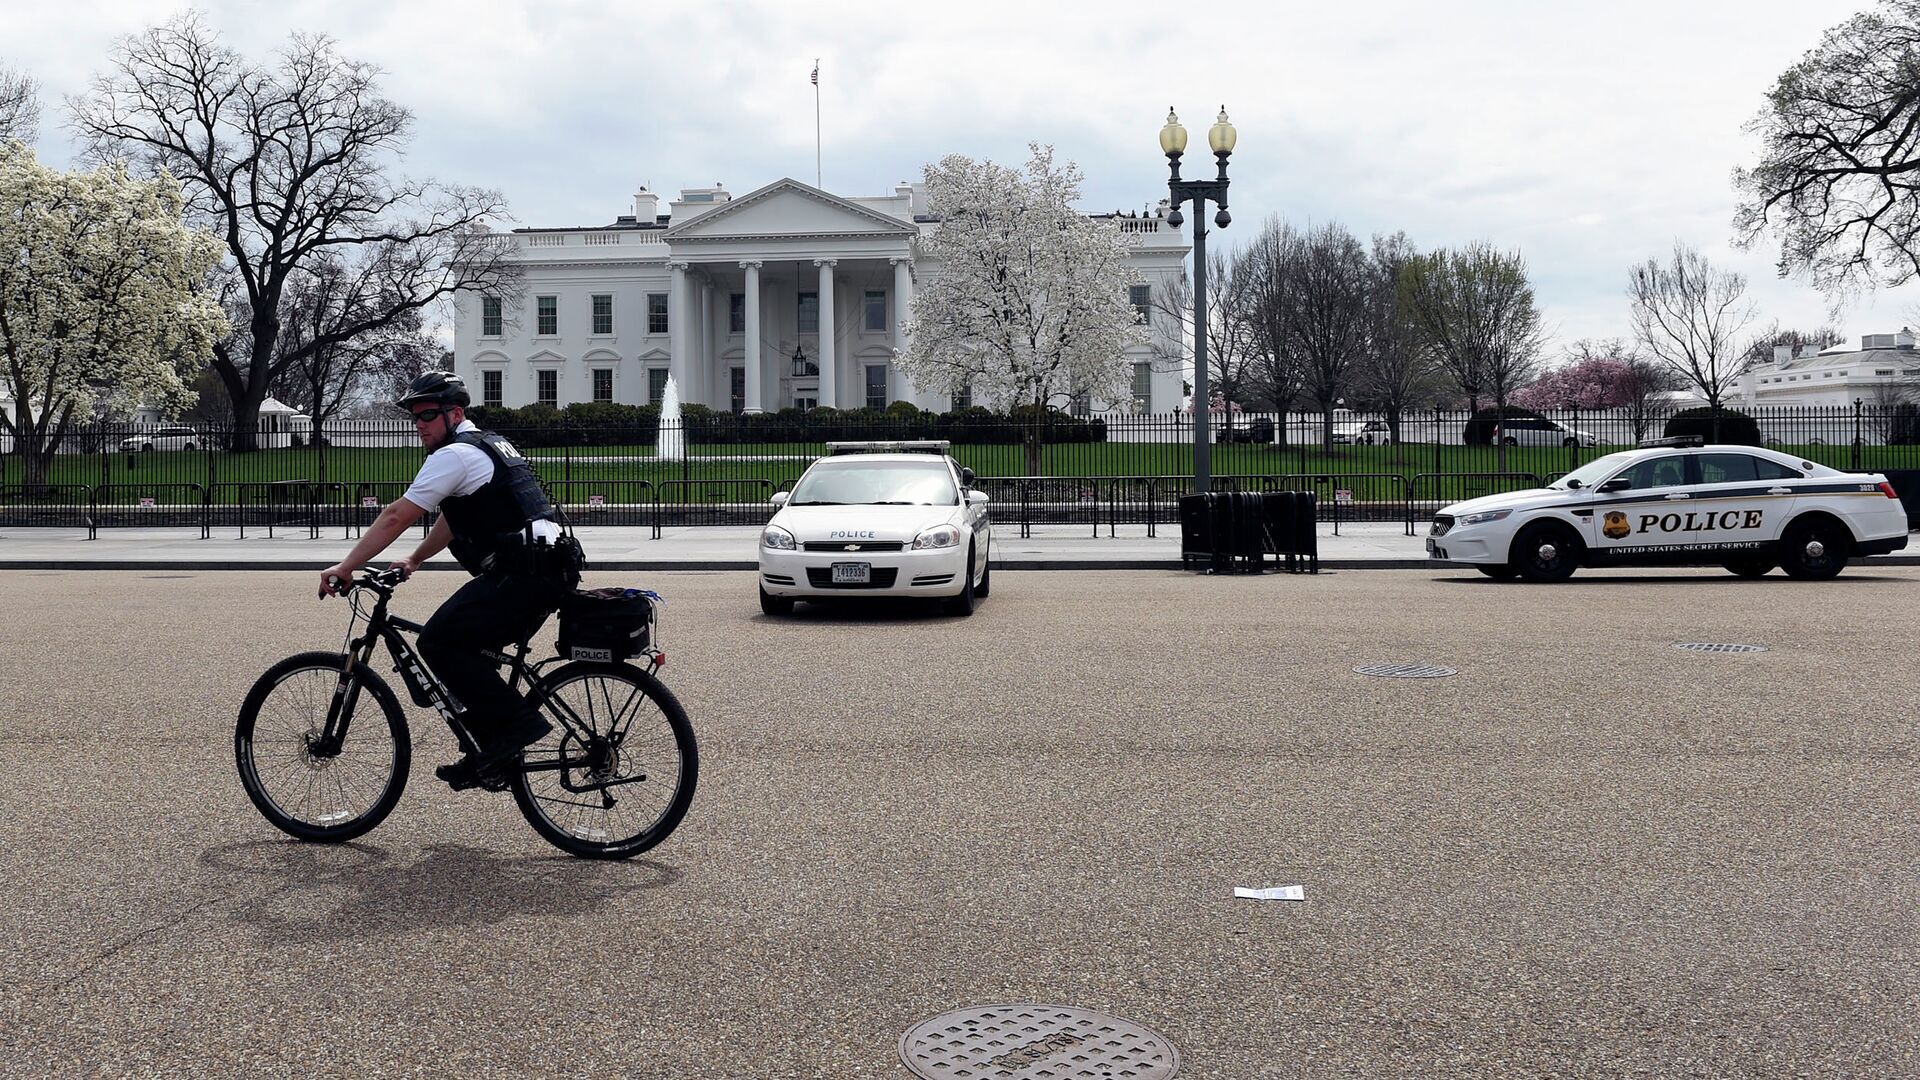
(1616, 527)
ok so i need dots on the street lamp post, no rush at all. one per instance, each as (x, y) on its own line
(1173, 142)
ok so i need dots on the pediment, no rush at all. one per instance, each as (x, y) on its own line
(789, 208)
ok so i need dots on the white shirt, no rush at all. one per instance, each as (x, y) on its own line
(458, 469)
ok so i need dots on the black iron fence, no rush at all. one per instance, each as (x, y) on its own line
(719, 468)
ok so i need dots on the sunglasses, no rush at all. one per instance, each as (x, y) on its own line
(428, 416)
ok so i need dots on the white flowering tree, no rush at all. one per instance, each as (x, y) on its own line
(1025, 304)
(101, 296)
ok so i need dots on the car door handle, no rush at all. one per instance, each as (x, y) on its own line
(1680, 495)
(1780, 491)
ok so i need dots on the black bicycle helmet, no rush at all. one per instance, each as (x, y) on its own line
(439, 387)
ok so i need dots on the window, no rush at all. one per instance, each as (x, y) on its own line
(489, 316)
(808, 315)
(490, 389)
(549, 309)
(1883, 371)
(1773, 470)
(656, 313)
(876, 386)
(1142, 387)
(737, 389)
(1726, 469)
(656, 385)
(602, 314)
(964, 399)
(1080, 404)
(876, 311)
(1141, 297)
(603, 384)
(737, 313)
(1660, 472)
(550, 388)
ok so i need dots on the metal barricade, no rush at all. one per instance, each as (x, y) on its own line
(151, 505)
(605, 502)
(1043, 500)
(712, 502)
(1453, 487)
(47, 506)
(269, 503)
(1353, 497)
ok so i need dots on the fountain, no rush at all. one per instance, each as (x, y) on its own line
(671, 443)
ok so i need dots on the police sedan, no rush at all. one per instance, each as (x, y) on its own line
(878, 519)
(1676, 502)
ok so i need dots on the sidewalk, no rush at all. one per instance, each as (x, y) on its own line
(1050, 547)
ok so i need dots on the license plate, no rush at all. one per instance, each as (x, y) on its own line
(852, 573)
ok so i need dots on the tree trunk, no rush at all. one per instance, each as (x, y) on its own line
(1030, 437)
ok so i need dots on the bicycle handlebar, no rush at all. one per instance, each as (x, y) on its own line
(381, 581)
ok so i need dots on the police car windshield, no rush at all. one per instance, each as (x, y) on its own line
(1593, 471)
(898, 483)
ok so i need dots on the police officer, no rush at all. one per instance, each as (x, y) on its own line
(503, 529)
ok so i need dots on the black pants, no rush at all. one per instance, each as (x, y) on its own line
(487, 613)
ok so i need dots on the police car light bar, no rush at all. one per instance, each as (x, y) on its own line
(891, 446)
(1677, 440)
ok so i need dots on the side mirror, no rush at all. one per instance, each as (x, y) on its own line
(1574, 485)
(976, 498)
(779, 498)
(1618, 483)
(966, 476)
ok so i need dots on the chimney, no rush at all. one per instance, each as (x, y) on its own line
(1903, 339)
(1782, 355)
(1808, 352)
(646, 207)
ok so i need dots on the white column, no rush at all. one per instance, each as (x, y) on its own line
(700, 372)
(752, 361)
(679, 322)
(902, 307)
(828, 382)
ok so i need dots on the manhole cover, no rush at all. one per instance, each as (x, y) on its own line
(1031, 1042)
(1717, 646)
(1406, 671)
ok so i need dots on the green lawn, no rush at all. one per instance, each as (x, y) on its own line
(353, 466)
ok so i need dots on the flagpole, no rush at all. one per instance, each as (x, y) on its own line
(816, 124)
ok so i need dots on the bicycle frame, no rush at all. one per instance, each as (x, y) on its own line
(428, 691)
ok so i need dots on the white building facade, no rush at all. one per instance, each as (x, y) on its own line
(787, 297)
(1882, 370)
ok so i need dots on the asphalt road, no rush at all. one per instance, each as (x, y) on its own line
(1587, 854)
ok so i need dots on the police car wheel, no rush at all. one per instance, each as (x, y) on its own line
(1749, 568)
(1510, 441)
(962, 605)
(1545, 553)
(1569, 442)
(1814, 549)
(1499, 572)
(986, 576)
(775, 605)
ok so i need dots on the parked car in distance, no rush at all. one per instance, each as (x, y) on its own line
(1539, 431)
(878, 519)
(1676, 502)
(1363, 432)
(1254, 431)
(165, 438)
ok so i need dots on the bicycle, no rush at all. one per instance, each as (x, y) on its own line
(589, 787)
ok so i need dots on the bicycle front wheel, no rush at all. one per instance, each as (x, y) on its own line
(307, 784)
(617, 773)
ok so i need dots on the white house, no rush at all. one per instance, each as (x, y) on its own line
(1877, 373)
(788, 296)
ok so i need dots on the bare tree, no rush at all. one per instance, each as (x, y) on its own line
(1397, 371)
(1761, 349)
(1835, 182)
(1331, 320)
(1690, 316)
(1270, 309)
(324, 380)
(1474, 307)
(19, 105)
(290, 163)
(1230, 330)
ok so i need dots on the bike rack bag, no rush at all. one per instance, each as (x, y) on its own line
(605, 624)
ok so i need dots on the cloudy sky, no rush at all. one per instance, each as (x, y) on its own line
(1587, 135)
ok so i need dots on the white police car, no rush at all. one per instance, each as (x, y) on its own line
(878, 519)
(1677, 502)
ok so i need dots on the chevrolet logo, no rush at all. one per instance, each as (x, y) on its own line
(851, 547)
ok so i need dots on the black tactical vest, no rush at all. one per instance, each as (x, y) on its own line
(494, 521)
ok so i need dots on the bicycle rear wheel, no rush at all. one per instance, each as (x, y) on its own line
(617, 773)
(305, 787)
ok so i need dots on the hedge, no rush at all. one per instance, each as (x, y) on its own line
(607, 424)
